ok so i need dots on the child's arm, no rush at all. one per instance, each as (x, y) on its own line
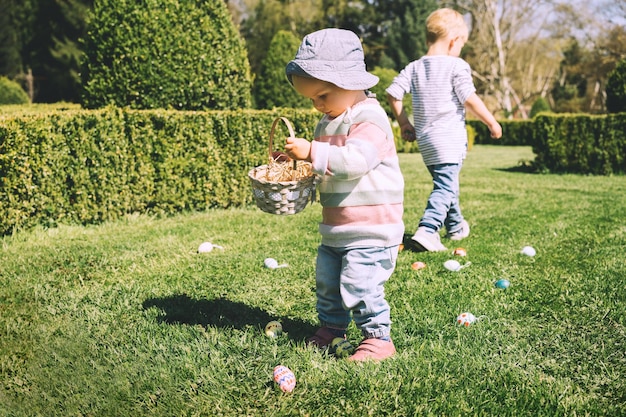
(476, 106)
(407, 129)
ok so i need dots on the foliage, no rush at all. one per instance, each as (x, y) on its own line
(471, 136)
(585, 69)
(180, 54)
(271, 16)
(127, 319)
(11, 92)
(82, 166)
(540, 105)
(386, 76)
(42, 36)
(392, 32)
(404, 25)
(580, 144)
(90, 166)
(271, 88)
(569, 90)
(10, 60)
(616, 89)
(572, 143)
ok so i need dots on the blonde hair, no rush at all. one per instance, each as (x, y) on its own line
(443, 23)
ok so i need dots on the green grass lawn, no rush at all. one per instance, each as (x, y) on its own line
(126, 319)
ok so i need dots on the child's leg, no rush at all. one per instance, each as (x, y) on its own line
(454, 219)
(443, 198)
(364, 274)
(363, 278)
(330, 309)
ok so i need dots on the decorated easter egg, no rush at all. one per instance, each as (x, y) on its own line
(285, 378)
(418, 265)
(502, 284)
(465, 319)
(273, 329)
(459, 252)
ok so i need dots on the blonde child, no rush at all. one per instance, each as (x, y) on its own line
(361, 191)
(442, 88)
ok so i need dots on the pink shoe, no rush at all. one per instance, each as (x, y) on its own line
(373, 349)
(322, 338)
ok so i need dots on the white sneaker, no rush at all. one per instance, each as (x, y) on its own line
(462, 233)
(429, 241)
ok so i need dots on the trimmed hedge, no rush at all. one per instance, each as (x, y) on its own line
(566, 143)
(514, 133)
(90, 166)
(580, 144)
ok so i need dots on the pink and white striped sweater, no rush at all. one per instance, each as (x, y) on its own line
(362, 189)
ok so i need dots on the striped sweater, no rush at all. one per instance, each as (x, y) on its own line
(362, 187)
(439, 86)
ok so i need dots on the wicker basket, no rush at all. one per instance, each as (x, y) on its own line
(283, 187)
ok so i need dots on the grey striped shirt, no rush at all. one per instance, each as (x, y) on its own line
(439, 86)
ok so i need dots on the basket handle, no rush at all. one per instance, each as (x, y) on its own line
(291, 135)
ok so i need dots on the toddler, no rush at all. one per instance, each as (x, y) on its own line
(361, 191)
(442, 88)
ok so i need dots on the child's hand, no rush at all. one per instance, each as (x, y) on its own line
(298, 148)
(496, 130)
(408, 132)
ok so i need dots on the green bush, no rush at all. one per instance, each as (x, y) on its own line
(81, 166)
(616, 89)
(514, 132)
(12, 93)
(540, 105)
(580, 143)
(178, 54)
(271, 88)
(386, 76)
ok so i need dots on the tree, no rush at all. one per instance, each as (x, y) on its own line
(181, 54)
(268, 17)
(498, 28)
(596, 42)
(10, 60)
(402, 31)
(271, 88)
(39, 45)
(570, 88)
(616, 89)
(51, 47)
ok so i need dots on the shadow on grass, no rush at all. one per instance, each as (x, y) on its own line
(524, 167)
(220, 312)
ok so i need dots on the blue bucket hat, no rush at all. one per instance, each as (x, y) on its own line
(335, 56)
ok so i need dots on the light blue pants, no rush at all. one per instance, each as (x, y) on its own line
(443, 209)
(351, 282)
